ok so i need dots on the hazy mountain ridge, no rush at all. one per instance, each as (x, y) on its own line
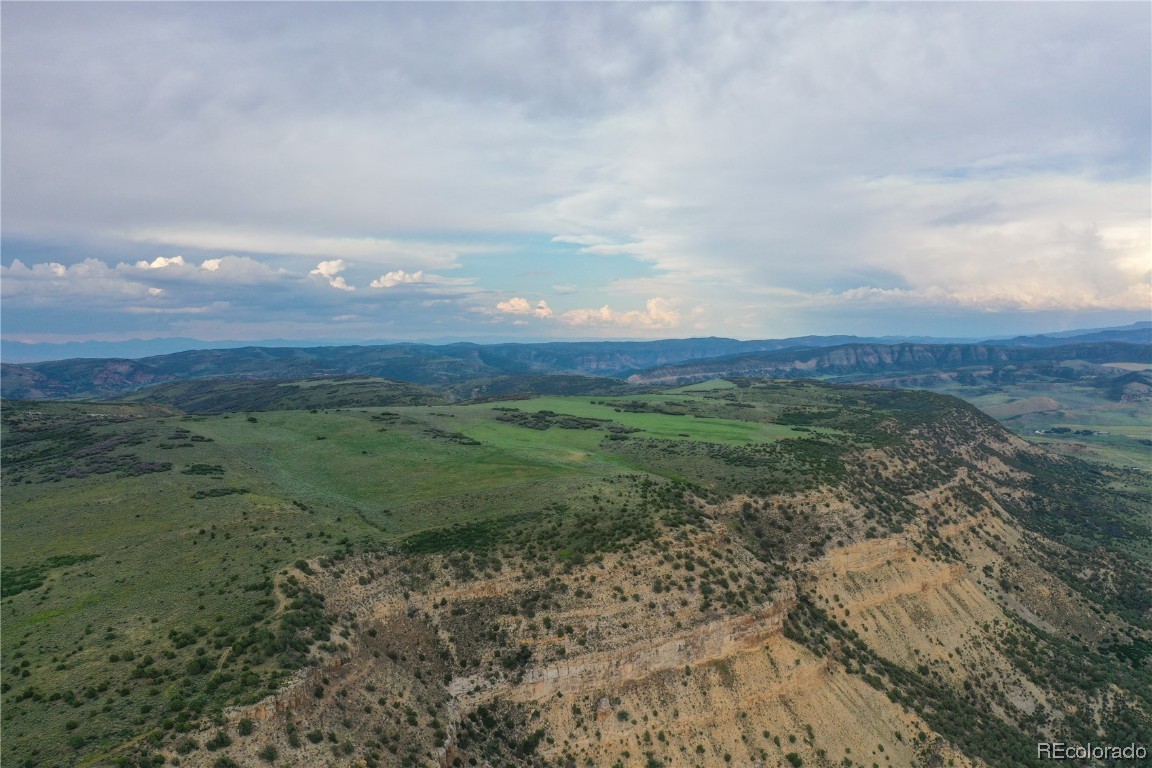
(18, 352)
(1136, 333)
(22, 353)
(416, 363)
(873, 359)
(674, 360)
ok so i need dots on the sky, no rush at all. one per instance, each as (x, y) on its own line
(396, 171)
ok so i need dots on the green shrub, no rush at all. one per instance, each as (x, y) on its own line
(219, 741)
(187, 745)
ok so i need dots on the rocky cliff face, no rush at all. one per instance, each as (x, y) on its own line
(609, 675)
(914, 609)
(879, 359)
(625, 661)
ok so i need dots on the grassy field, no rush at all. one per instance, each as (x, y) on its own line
(712, 385)
(125, 527)
(1129, 366)
(114, 563)
(360, 460)
(139, 545)
(689, 426)
(1120, 447)
(1027, 408)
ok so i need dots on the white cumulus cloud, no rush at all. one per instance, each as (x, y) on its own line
(421, 278)
(162, 261)
(521, 306)
(330, 270)
(398, 277)
(658, 313)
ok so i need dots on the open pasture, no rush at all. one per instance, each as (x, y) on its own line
(151, 538)
(660, 416)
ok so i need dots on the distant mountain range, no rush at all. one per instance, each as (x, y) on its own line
(132, 349)
(135, 349)
(480, 370)
(23, 352)
(870, 360)
(415, 363)
(1138, 333)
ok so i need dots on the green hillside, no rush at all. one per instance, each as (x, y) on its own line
(220, 395)
(126, 526)
(143, 547)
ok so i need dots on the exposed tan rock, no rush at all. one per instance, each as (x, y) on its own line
(624, 658)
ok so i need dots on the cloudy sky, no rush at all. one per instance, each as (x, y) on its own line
(551, 170)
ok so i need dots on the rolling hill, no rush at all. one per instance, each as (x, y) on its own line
(222, 395)
(657, 362)
(740, 572)
(416, 363)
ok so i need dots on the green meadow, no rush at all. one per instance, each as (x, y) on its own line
(140, 544)
(126, 529)
(1028, 407)
(695, 424)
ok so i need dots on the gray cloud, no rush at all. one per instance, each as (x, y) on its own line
(760, 158)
